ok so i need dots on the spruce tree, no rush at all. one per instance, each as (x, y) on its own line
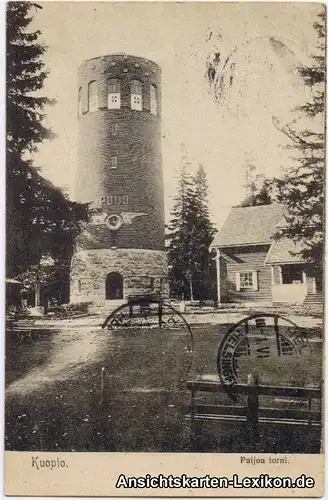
(302, 189)
(192, 272)
(25, 76)
(179, 236)
(259, 192)
(40, 219)
(204, 265)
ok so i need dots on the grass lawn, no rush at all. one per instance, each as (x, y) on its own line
(130, 394)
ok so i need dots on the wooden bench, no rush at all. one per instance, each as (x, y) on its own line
(252, 414)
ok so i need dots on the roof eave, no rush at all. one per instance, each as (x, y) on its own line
(241, 244)
(286, 262)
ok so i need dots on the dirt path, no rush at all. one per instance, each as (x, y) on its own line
(205, 318)
(74, 344)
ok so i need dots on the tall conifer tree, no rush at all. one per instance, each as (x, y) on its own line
(190, 235)
(179, 236)
(25, 76)
(40, 219)
(302, 189)
(205, 269)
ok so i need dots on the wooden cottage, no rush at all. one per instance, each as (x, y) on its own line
(253, 267)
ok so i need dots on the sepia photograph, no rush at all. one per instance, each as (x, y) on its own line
(165, 226)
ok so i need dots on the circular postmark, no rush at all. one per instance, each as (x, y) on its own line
(145, 311)
(260, 340)
(153, 317)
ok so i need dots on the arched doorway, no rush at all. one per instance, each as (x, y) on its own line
(114, 286)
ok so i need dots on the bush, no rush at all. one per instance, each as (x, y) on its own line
(69, 310)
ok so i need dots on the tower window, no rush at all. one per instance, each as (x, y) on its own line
(114, 93)
(153, 99)
(113, 239)
(136, 95)
(162, 282)
(113, 161)
(114, 129)
(79, 102)
(92, 96)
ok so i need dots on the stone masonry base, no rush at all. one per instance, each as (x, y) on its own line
(143, 271)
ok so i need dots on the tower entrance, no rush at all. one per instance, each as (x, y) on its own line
(114, 286)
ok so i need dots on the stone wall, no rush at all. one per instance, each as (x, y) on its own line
(143, 271)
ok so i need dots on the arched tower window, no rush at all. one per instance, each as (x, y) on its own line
(136, 95)
(114, 93)
(79, 102)
(153, 99)
(92, 96)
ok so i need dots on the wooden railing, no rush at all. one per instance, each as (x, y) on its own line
(251, 413)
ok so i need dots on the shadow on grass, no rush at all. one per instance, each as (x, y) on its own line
(133, 398)
(25, 352)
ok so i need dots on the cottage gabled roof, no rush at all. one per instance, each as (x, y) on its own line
(285, 251)
(250, 226)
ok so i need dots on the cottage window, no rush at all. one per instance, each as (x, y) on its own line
(153, 100)
(291, 274)
(136, 95)
(114, 94)
(246, 281)
(92, 96)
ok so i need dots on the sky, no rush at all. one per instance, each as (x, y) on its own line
(265, 41)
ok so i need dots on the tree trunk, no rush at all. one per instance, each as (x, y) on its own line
(46, 302)
(37, 293)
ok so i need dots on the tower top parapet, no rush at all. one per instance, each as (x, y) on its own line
(120, 56)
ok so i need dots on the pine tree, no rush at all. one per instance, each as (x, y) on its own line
(302, 189)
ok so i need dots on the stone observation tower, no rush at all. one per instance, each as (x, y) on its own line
(121, 252)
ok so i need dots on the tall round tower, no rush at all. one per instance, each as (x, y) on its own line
(119, 172)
